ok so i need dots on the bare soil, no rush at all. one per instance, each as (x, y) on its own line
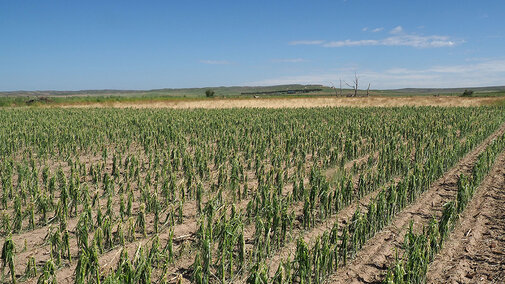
(475, 251)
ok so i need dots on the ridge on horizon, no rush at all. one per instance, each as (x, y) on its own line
(230, 89)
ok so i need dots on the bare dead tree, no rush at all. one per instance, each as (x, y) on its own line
(355, 85)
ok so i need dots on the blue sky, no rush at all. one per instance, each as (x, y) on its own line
(73, 45)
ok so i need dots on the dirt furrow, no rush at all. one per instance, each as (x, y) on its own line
(372, 260)
(475, 250)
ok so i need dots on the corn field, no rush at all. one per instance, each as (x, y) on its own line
(226, 196)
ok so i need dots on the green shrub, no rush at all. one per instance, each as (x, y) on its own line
(467, 93)
(209, 93)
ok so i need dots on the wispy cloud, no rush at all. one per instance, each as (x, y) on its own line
(290, 60)
(396, 30)
(488, 66)
(483, 66)
(215, 62)
(376, 30)
(401, 40)
(397, 38)
(349, 42)
(306, 42)
(485, 73)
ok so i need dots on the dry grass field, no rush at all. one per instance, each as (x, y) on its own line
(446, 101)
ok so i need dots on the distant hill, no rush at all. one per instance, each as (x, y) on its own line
(189, 92)
(248, 91)
(449, 90)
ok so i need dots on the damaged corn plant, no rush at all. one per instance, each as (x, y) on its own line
(222, 196)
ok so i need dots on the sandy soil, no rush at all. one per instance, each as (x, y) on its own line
(297, 102)
(372, 261)
(475, 251)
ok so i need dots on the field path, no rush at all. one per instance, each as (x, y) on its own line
(475, 250)
(372, 261)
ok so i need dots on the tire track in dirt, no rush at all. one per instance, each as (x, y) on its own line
(475, 250)
(372, 260)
